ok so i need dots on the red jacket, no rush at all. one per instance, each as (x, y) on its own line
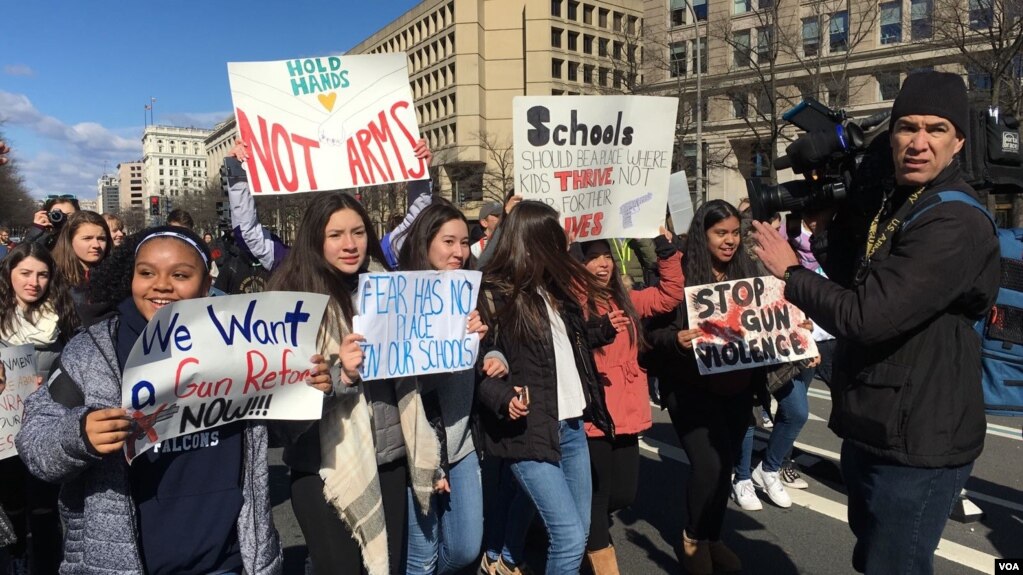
(626, 390)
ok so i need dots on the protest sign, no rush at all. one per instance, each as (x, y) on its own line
(602, 161)
(745, 324)
(327, 123)
(203, 363)
(680, 203)
(19, 370)
(415, 322)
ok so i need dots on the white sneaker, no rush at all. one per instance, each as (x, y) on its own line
(771, 483)
(745, 495)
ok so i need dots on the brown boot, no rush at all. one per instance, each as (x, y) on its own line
(696, 556)
(724, 559)
(603, 561)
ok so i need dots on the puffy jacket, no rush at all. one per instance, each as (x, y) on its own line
(625, 382)
(906, 383)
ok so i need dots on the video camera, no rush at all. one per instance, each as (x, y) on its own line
(826, 156)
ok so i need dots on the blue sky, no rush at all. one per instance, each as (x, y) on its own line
(75, 75)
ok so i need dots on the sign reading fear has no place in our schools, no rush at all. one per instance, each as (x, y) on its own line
(416, 323)
(19, 371)
(602, 161)
(203, 363)
(746, 323)
(327, 123)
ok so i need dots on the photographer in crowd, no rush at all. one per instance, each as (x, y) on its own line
(47, 222)
(906, 390)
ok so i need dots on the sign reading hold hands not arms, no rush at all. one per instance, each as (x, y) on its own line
(203, 363)
(327, 123)
(746, 323)
(602, 161)
(18, 368)
(416, 322)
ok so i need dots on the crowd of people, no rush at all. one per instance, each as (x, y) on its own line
(572, 334)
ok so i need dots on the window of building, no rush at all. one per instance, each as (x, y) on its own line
(556, 8)
(811, 36)
(573, 71)
(678, 59)
(632, 53)
(602, 73)
(760, 160)
(839, 31)
(587, 14)
(920, 16)
(573, 41)
(765, 43)
(556, 37)
(977, 79)
(631, 24)
(765, 4)
(557, 92)
(161, 171)
(741, 49)
(587, 74)
(838, 94)
(678, 12)
(619, 19)
(602, 17)
(891, 22)
(740, 105)
(741, 6)
(764, 102)
(160, 161)
(587, 44)
(556, 68)
(700, 8)
(617, 50)
(887, 85)
(602, 45)
(981, 14)
(704, 58)
(617, 80)
(573, 10)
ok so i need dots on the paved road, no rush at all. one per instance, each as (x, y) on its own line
(811, 537)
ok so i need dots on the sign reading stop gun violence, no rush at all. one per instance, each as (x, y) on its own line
(416, 322)
(326, 123)
(602, 161)
(203, 363)
(746, 323)
(19, 371)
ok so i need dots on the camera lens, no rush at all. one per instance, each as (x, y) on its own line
(56, 217)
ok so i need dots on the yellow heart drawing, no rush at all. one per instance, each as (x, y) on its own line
(327, 100)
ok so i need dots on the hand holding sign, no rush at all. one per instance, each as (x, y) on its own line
(319, 379)
(685, 337)
(107, 429)
(351, 356)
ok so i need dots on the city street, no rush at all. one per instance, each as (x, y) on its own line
(811, 537)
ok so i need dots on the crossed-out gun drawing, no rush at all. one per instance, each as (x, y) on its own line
(631, 207)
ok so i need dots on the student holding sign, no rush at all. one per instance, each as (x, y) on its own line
(350, 470)
(709, 412)
(534, 419)
(35, 309)
(447, 539)
(186, 507)
(615, 460)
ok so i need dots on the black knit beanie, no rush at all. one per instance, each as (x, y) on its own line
(934, 94)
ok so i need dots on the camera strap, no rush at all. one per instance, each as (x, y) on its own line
(875, 241)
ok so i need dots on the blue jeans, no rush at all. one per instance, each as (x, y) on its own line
(896, 512)
(793, 411)
(562, 493)
(744, 466)
(448, 538)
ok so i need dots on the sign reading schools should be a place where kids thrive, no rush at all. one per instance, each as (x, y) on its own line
(602, 161)
(203, 363)
(327, 123)
(745, 324)
(18, 364)
(416, 322)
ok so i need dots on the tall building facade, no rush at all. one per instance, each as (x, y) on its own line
(132, 194)
(217, 145)
(108, 194)
(174, 162)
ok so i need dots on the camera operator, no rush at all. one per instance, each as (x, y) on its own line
(906, 390)
(47, 222)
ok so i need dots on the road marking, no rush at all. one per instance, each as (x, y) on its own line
(961, 554)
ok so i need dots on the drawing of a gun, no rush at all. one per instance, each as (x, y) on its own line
(631, 207)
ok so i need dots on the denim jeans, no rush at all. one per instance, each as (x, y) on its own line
(744, 466)
(896, 512)
(449, 537)
(793, 411)
(561, 493)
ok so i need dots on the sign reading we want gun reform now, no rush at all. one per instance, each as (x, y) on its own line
(203, 363)
(328, 123)
(602, 161)
(746, 323)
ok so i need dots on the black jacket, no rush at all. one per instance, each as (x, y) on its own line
(531, 363)
(907, 370)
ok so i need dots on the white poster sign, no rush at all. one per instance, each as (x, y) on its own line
(680, 203)
(19, 374)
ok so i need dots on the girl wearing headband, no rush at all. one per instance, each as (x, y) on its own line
(191, 506)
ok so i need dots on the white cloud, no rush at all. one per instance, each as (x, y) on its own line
(18, 70)
(192, 119)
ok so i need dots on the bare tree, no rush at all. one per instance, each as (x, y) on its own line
(16, 205)
(499, 175)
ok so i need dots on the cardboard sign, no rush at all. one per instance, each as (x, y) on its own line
(602, 161)
(746, 323)
(680, 203)
(327, 123)
(20, 374)
(416, 322)
(203, 363)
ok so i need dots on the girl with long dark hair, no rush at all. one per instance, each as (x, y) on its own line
(532, 299)
(82, 244)
(710, 412)
(35, 309)
(615, 460)
(350, 469)
(448, 537)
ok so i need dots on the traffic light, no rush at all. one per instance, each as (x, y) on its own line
(154, 205)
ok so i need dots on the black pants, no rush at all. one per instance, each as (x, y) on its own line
(615, 467)
(331, 546)
(31, 505)
(711, 428)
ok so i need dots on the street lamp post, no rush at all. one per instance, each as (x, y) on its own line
(699, 107)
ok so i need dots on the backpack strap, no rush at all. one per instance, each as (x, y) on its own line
(949, 196)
